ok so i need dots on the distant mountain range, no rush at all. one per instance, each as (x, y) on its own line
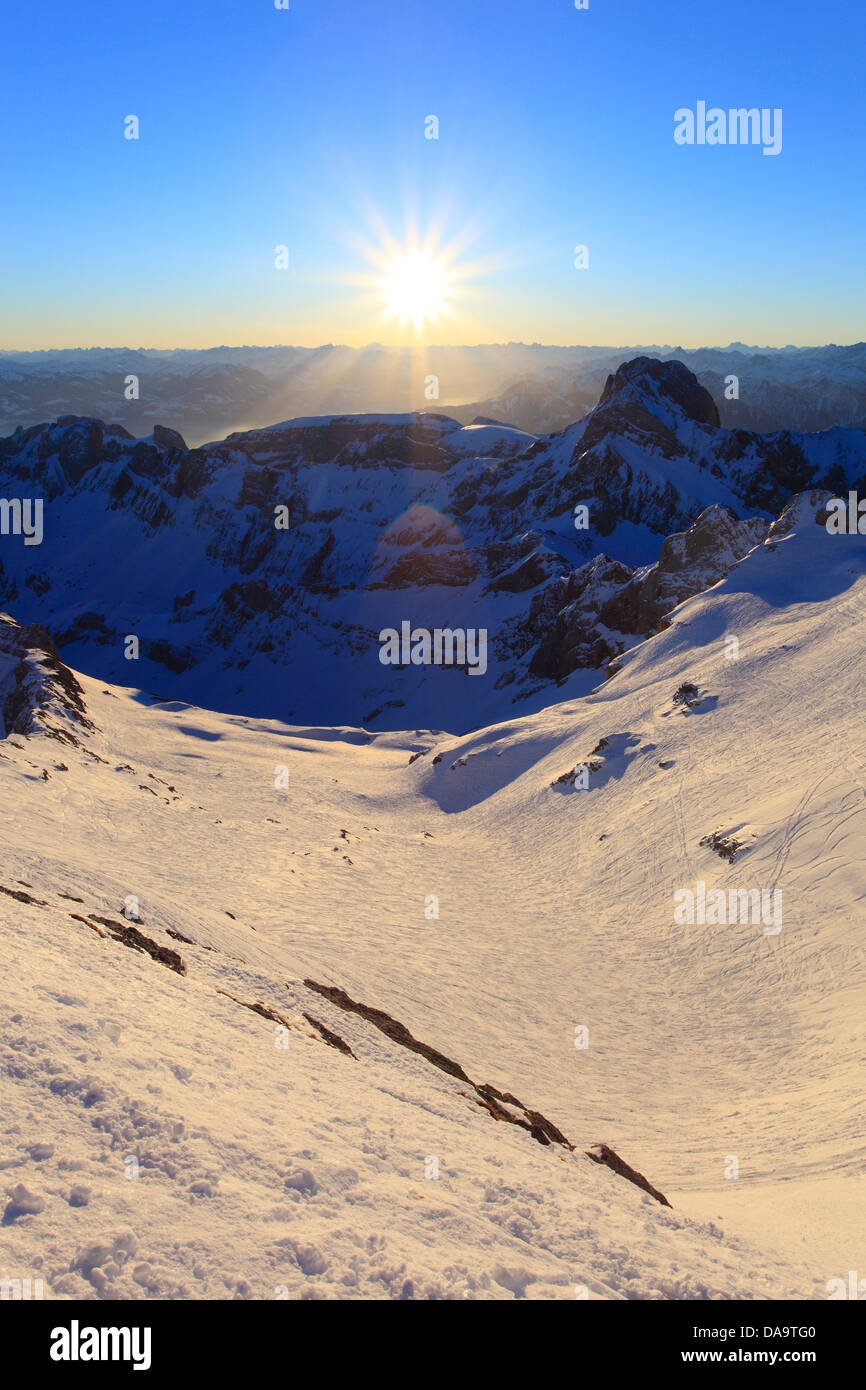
(207, 393)
(564, 548)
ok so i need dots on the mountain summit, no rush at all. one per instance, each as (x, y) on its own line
(662, 388)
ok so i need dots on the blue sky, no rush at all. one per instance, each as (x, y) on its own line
(305, 127)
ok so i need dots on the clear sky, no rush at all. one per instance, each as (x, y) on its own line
(306, 128)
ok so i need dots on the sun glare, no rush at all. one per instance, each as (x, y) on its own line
(415, 288)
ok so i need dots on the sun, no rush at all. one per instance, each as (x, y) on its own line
(415, 288)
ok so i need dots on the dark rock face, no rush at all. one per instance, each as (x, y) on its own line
(79, 447)
(669, 382)
(331, 1038)
(423, 568)
(88, 626)
(165, 438)
(605, 606)
(570, 610)
(391, 1027)
(520, 565)
(355, 441)
(601, 1153)
(688, 563)
(130, 936)
(172, 657)
(501, 1105)
(38, 691)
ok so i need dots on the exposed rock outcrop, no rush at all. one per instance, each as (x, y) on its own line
(37, 690)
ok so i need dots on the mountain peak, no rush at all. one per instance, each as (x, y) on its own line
(648, 382)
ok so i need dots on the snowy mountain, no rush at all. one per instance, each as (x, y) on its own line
(384, 1070)
(258, 575)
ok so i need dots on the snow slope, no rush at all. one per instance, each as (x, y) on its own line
(268, 1171)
